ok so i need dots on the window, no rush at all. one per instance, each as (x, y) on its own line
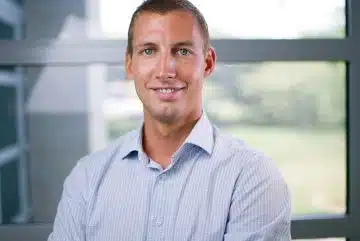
(293, 111)
(294, 72)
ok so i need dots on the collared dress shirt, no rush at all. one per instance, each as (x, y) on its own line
(217, 188)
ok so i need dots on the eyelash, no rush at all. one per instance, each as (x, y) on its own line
(188, 51)
(142, 52)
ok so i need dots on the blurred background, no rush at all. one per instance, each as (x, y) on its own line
(55, 108)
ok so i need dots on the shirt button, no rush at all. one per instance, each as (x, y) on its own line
(156, 221)
(162, 177)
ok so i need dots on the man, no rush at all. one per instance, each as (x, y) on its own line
(177, 177)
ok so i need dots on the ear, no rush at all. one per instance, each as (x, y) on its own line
(210, 60)
(128, 66)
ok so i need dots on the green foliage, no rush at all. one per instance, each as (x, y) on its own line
(280, 93)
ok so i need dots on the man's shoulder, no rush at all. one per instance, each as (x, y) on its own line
(100, 159)
(248, 162)
(234, 145)
(241, 153)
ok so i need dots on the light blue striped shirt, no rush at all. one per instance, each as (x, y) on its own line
(216, 188)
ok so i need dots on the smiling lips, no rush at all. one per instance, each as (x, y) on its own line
(168, 94)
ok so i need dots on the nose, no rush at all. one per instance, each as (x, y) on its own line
(166, 67)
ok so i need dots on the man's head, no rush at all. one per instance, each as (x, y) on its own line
(163, 7)
(168, 57)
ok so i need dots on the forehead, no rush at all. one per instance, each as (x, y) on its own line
(172, 26)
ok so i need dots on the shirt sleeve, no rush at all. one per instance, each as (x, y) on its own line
(70, 220)
(260, 209)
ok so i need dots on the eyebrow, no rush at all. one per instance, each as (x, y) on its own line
(184, 43)
(146, 44)
(177, 44)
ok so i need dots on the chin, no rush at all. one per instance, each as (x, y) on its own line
(165, 116)
(166, 119)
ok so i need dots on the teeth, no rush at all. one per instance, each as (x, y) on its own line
(166, 90)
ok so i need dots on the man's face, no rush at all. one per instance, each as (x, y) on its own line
(169, 65)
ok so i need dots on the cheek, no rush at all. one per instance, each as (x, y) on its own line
(145, 67)
(142, 74)
(193, 75)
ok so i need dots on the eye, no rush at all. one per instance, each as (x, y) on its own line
(184, 52)
(147, 51)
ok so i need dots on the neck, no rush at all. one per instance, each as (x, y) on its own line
(160, 141)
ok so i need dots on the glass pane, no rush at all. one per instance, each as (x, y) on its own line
(248, 19)
(8, 131)
(274, 19)
(121, 104)
(59, 130)
(293, 111)
(9, 188)
(59, 112)
(6, 31)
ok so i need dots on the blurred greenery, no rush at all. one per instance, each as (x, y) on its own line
(299, 94)
(312, 162)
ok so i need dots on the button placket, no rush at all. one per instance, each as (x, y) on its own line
(161, 201)
(152, 212)
(156, 227)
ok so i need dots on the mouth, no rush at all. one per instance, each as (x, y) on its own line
(167, 90)
(168, 94)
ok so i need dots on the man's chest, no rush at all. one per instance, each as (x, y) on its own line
(138, 204)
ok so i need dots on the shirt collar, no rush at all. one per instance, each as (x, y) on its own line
(202, 135)
(131, 143)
